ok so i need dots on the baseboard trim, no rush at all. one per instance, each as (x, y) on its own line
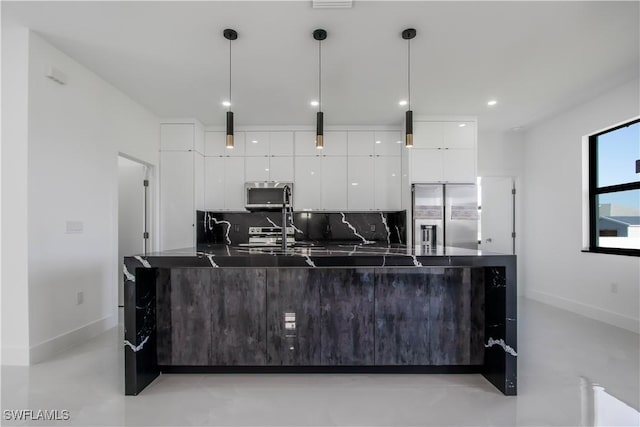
(49, 348)
(15, 356)
(606, 316)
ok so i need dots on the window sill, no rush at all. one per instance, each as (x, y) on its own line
(614, 251)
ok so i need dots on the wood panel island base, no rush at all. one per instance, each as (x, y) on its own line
(350, 310)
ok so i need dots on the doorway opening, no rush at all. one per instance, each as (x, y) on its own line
(133, 213)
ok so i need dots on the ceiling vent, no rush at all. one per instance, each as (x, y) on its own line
(332, 4)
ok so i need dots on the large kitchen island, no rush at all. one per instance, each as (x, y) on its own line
(336, 308)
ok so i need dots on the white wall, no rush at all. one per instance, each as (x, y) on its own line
(15, 319)
(75, 132)
(556, 271)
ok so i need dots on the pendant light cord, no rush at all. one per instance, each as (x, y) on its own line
(409, 71)
(230, 75)
(319, 75)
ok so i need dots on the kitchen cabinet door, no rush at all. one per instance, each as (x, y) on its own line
(198, 179)
(234, 183)
(360, 183)
(387, 189)
(214, 144)
(426, 165)
(347, 315)
(307, 188)
(402, 316)
(256, 169)
(360, 143)
(256, 143)
(459, 135)
(335, 143)
(281, 169)
(428, 134)
(177, 137)
(334, 183)
(388, 143)
(305, 144)
(177, 211)
(281, 144)
(459, 165)
(214, 183)
(239, 316)
(293, 317)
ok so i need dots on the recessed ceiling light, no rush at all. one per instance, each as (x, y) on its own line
(517, 129)
(402, 103)
(378, 142)
(492, 103)
(314, 103)
(398, 142)
(226, 103)
(354, 183)
(266, 169)
(313, 173)
(254, 141)
(462, 125)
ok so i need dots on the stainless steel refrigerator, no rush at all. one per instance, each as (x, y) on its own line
(445, 215)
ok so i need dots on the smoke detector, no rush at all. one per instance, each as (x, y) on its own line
(332, 4)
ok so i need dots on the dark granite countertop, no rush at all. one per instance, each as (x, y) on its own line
(319, 255)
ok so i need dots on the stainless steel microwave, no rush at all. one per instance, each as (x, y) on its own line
(267, 195)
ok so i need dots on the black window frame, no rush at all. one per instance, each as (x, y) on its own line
(595, 191)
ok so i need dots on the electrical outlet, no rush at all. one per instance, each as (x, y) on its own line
(236, 228)
(614, 288)
(79, 298)
(373, 227)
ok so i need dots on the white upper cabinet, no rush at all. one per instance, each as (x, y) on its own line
(256, 169)
(459, 166)
(257, 143)
(335, 143)
(177, 210)
(281, 143)
(214, 183)
(388, 143)
(177, 137)
(234, 183)
(387, 183)
(281, 169)
(428, 134)
(360, 183)
(305, 144)
(307, 188)
(214, 144)
(459, 135)
(426, 165)
(360, 143)
(334, 183)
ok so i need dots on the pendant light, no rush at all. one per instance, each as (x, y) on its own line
(407, 35)
(230, 35)
(319, 35)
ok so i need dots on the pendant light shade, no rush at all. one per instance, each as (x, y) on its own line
(408, 35)
(319, 35)
(230, 35)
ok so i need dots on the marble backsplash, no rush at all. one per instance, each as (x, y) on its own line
(359, 227)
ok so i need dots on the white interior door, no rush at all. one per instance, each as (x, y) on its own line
(131, 196)
(496, 215)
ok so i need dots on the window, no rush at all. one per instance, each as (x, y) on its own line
(614, 190)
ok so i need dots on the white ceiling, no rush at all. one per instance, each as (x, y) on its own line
(535, 58)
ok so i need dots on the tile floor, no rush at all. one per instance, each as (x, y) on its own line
(573, 371)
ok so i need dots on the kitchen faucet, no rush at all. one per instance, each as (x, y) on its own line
(286, 199)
